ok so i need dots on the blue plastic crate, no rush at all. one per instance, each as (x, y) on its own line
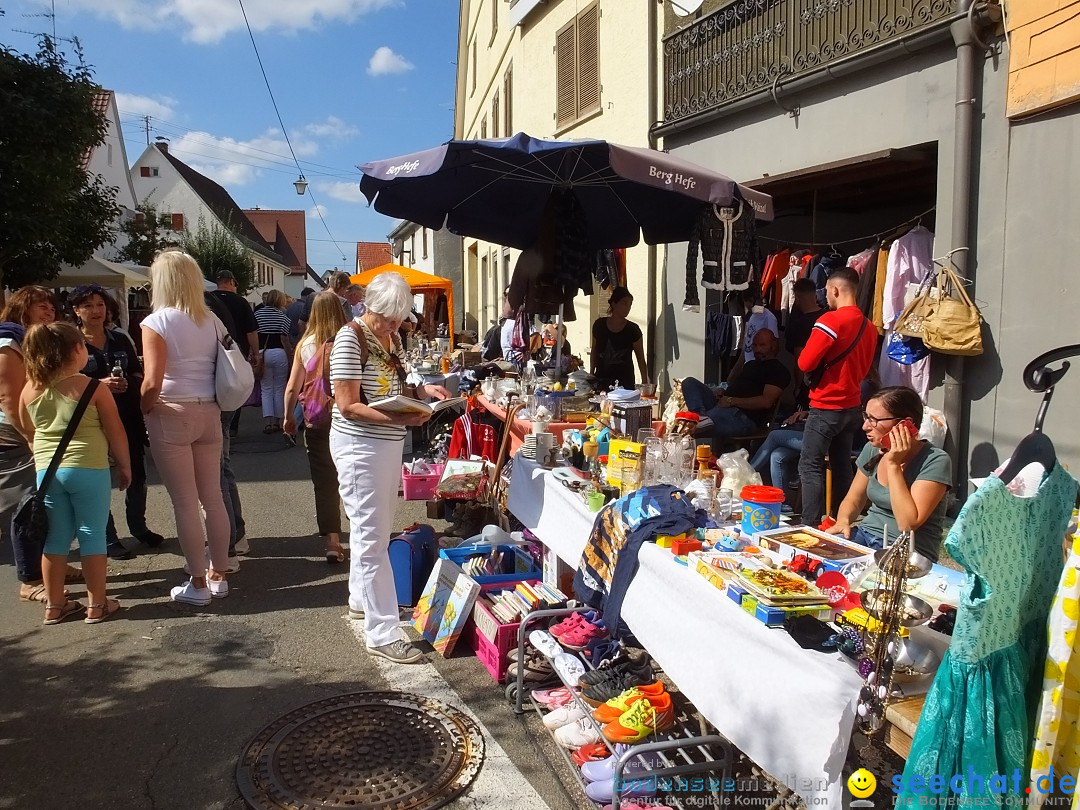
(525, 566)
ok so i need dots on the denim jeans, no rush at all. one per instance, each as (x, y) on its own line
(726, 421)
(229, 493)
(135, 494)
(780, 455)
(18, 478)
(864, 538)
(827, 433)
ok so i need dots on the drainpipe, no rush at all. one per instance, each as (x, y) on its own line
(654, 116)
(969, 49)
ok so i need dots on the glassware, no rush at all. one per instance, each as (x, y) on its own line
(644, 434)
(725, 504)
(654, 460)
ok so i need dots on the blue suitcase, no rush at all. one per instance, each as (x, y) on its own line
(412, 556)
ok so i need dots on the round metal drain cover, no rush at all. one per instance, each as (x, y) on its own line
(377, 750)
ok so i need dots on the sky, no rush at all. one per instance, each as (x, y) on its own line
(354, 80)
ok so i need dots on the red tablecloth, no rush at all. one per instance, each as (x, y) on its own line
(523, 427)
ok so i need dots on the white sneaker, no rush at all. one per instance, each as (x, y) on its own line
(564, 715)
(190, 595)
(219, 588)
(242, 546)
(576, 734)
(231, 568)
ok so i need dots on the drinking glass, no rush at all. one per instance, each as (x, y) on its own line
(644, 434)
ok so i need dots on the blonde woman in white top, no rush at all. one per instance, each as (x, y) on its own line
(183, 419)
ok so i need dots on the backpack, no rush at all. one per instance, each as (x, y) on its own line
(492, 345)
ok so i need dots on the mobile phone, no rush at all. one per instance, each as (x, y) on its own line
(905, 423)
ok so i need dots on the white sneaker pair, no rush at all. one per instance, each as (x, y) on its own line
(231, 568)
(201, 597)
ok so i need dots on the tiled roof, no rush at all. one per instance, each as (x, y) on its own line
(286, 232)
(221, 203)
(102, 99)
(372, 254)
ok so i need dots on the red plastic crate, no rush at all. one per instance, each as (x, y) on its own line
(420, 487)
(491, 639)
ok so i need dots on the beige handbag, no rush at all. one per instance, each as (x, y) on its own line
(944, 317)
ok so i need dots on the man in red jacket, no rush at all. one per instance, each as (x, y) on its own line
(841, 346)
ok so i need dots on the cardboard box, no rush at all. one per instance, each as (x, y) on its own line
(467, 358)
(623, 453)
(834, 552)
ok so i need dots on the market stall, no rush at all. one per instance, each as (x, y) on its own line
(111, 275)
(426, 284)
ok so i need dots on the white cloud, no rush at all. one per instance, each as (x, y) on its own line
(155, 106)
(333, 127)
(209, 21)
(233, 162)
(314, 211)
(384, 61)
(343, 190)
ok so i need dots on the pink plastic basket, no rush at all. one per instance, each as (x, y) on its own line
(420, 487)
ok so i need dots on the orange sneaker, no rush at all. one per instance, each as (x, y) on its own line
(615, 708)
(641, 720)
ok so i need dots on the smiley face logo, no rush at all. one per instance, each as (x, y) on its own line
(862, 783)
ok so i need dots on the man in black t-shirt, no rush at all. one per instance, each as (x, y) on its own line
(244, 329)
(752, 392)
(804, 315)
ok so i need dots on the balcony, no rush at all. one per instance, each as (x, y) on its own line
(747, 45)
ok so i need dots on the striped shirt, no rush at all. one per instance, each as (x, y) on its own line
(379, 379)
(273, 323)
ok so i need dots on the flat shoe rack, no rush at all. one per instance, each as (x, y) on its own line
(681, 750)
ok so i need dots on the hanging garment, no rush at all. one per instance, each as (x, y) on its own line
(775, 270)
(573, 260)
(1057, 738)
(864, 297)
(977, 713)
(737, 322)
(860, 261)
(916, 375)
(820, 272)
(532, 286)
(760, 318)
(728, 251)
(718, 331)
(610, 558)
(911, 260)
(606, 270)
(879, 289)
(471, 437)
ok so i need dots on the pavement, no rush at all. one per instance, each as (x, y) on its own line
(153, 708)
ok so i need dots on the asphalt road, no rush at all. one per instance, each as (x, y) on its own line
(152, 709)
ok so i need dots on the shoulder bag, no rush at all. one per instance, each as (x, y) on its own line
(947, 323)
(233, 376)
(813, 378)
(31, 520)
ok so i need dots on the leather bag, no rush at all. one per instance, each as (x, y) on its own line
(944, 317)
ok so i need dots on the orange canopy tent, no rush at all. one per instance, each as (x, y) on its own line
(425, 283)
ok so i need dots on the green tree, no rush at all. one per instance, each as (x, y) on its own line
(52, 210)
(146, 236)
(218, 248)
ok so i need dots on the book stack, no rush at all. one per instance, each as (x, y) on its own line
(515, 603)
(486, 565)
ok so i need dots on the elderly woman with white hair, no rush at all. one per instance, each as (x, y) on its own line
(366, 444)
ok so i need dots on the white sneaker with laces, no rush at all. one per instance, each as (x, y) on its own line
(564, 715)
(190, 595)
(400, 652)
(574, 735)
(219, 588)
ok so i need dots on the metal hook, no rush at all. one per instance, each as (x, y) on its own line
(791, 111)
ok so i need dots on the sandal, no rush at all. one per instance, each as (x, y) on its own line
(73, 575)
(335, 554)
(65, 611)
(110, 608)
(36, 593)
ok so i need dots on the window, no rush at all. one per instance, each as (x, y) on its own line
(508, 117)
(144, 171)
(472, 62)
(412, 249)
(153, 171)
(505, 270)
(109, 156)
(483, 128)
(483, 289)
(495, 115)
(423, 241)
(577, 68)
(177, 222)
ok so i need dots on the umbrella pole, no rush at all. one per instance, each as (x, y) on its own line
(558, 341)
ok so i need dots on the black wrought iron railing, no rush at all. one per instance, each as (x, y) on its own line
(747, 45)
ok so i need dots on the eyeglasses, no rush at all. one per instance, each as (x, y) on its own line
(875, 421)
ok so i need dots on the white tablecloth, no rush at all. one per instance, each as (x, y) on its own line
(790, 710)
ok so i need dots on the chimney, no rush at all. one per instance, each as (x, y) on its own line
(162, 144)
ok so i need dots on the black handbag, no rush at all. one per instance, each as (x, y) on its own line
(31, 520)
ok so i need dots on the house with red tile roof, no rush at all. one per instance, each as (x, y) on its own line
(184, 197)
(286, 233)
(372, 254)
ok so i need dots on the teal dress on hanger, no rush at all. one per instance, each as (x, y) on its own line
(978, 715)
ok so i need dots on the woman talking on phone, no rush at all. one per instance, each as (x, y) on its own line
(904, 478)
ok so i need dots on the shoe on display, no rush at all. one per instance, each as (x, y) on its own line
(593, 752)
(601, 770)
(552, 698)
(568, 666)
(577, 734)
(571, 622)
(580, 637)
(545, 643)
(190, 595)
(536, 669)
(613, 687)
(635, 786)
(569, 713)
(636, 663)
(603, 649)
(219, 588)
(613, 709)
(400, 652)
(641, 720)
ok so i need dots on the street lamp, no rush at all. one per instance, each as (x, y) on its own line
(301, 185)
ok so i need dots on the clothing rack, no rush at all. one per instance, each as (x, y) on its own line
(878, 236)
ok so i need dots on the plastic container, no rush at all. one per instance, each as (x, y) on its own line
(525, 567)
(420, 487)
(761, 508)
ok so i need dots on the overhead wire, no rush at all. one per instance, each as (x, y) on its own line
(284, 131)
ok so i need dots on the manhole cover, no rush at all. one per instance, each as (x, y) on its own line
(389, 750)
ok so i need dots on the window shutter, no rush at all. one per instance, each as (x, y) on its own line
(483, 128)
(565, 73)
(588, 60)
(144, 171)
(508, 102)
(178, 222)
(495, 122)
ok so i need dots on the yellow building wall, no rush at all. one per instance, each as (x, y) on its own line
(623, 118)
(1044, 55)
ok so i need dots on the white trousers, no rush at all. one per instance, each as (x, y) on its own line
(368, 472)
(275, 376)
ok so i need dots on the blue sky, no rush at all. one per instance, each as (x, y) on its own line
(355, 80)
